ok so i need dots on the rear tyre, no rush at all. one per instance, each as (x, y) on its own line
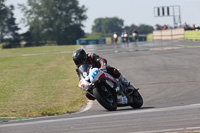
(105, 97)
(136, 100)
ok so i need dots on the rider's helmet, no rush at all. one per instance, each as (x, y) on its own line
(134, 30)
(79, 56)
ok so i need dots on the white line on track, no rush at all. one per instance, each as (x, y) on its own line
(89, 106)
(192, 106)
(170, 130)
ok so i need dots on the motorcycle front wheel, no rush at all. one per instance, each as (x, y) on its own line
(105, 97)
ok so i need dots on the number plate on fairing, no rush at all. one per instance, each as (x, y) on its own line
(95, 74)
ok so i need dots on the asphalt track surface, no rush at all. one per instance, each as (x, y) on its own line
(168, 75)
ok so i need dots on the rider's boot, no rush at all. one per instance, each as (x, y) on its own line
(124, 80)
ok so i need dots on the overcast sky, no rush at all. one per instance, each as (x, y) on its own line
(131, 11)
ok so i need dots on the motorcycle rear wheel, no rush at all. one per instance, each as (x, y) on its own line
(105, 97)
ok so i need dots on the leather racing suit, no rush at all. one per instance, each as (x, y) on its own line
(99, 62)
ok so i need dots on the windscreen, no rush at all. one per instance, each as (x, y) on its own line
(84, 69)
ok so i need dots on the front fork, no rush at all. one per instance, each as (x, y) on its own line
(90, 91)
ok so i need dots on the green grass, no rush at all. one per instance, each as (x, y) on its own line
(150, 37)
(39, 85)
(32, 50)
(94, 36)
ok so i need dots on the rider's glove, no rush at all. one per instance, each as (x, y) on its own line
(103, 68)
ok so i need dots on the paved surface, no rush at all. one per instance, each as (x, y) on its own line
(168, 75)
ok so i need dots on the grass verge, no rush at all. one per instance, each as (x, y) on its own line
(39, 85)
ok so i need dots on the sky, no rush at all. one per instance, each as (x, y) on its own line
(131, 11)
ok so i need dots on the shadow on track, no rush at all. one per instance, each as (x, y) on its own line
(126, 109)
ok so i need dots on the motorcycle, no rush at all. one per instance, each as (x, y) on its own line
(115, 38)
(125, 38)
(135, 36)
(107, 90)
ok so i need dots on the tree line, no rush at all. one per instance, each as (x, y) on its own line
(115, 24)
(8, 27)
(56, 21)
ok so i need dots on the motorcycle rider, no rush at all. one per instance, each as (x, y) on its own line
(80, 57)
(135, 35)
(125, 37)
(115, 37)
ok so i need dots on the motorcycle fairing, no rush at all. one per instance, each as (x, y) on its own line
(97, 74)
(108, 76)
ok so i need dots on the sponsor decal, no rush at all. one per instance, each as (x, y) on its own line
(110, 77)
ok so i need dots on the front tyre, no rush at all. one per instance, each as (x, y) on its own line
(105, 97)
(136, 100)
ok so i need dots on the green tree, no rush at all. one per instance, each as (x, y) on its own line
(8, 27)
(159, 26)
(129, 29)
(142, 28)
(108, 25)
(145, 29)
(55, 20)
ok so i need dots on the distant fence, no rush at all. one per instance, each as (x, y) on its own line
(168, 34)
(140, 39)
(90, 41)
(107, 40)
(192, 35)
(174, 34)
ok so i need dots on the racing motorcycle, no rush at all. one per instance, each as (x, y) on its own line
(125, 38)
(107, 90)
(115, 38)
